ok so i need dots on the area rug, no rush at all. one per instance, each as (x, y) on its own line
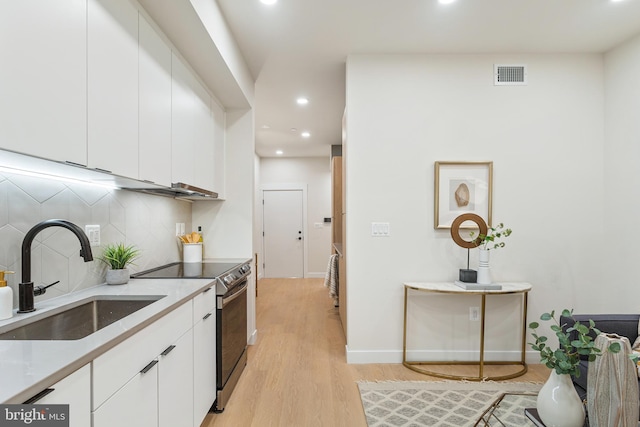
(443, 403)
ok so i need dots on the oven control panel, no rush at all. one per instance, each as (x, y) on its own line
(229, 279)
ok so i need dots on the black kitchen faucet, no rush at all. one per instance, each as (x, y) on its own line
(26, 290)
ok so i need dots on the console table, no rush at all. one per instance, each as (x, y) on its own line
(453, 290)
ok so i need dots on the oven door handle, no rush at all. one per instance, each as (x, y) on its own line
(241, 289)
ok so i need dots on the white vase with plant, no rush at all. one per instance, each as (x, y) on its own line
(486, 242)
(118, 256)
(558, 402)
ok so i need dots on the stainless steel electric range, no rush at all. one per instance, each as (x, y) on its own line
(231, 315)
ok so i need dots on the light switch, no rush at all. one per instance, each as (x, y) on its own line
(179, 228)
(93, 233)
(380, 229)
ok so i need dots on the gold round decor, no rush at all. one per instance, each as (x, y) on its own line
(455, 230)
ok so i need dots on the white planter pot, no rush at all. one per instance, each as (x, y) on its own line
(484, 273)
(117, 277)
(559, 404)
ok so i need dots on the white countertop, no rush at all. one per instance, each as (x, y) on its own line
(28, 367)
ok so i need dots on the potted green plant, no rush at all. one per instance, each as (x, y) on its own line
(118, 256)
(558, 402)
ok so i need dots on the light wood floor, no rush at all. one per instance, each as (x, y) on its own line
(297, 373)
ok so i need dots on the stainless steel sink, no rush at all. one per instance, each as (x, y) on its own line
(77, 320)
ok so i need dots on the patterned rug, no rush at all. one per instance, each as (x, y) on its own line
(445, 403)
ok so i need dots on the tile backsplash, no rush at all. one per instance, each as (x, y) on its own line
(143, 220)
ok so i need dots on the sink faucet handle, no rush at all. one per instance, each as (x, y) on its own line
(39, 290)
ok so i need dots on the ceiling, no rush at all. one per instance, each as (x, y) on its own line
(299, 48)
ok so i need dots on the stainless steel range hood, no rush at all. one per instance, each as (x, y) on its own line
(180, 190)
(23, 164)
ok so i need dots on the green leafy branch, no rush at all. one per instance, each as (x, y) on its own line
(485, 241)
(565, 359)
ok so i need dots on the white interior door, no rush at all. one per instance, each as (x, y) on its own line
(283, 233)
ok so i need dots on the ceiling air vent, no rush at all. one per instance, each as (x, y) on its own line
(509, 75)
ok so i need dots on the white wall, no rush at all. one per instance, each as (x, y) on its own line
(228, 225)
(315, 173)
(546, 142)
(622, 175)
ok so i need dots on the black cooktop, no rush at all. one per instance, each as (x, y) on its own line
(195, 270)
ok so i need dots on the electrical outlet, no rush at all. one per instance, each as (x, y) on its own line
(380, 229)
(93, 233)
(179, 228)
(474, 314)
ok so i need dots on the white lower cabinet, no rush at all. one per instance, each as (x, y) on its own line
(175, 384)
(135, 404)
(147, 380)
(204, 354)
(163, 376)
(75, 391)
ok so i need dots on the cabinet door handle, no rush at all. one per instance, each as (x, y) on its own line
(207, 290)
(147, 368)
(206, 316)
(168, 350)
(39, 396)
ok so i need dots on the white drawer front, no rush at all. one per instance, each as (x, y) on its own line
(114, 368)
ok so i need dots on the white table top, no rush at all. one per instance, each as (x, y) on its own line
(451, 288)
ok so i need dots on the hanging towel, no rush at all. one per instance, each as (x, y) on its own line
(331, 278)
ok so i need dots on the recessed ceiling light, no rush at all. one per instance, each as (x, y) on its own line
(445, 1)
(269, 1)
(279, 152)
(302, 100)
(305, 134)
(294, 130)
(266, 127)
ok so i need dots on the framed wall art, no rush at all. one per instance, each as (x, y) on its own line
(462, 187)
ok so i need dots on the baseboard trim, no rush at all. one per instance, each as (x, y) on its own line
(253, 338)
(315, 276)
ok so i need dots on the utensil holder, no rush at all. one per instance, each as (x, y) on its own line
(192, 252)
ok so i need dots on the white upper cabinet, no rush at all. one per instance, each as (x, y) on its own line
(183, 105)
(113, 86)
(204, 168)
(43, 74)
(155, 106)
(218, 117)
(193, 129)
